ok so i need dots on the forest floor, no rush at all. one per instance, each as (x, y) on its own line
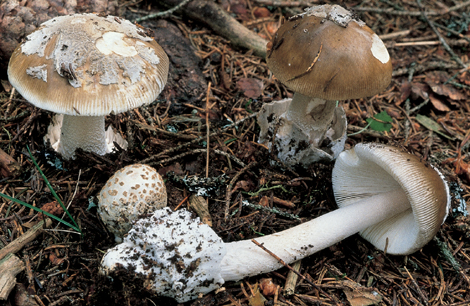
(218, 87)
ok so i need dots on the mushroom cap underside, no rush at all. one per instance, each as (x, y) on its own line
(370, 169)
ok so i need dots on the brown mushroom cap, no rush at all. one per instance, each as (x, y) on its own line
(86, 64)
(328, 54)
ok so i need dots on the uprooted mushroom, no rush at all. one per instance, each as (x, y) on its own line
(392, 198)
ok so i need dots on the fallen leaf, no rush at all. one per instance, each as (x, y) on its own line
(264, 201)
(358, 295)
(261, 12)
(405, 91)
(257, 299)
(437, 103)
(431, 125)
(251, 87)
(437, 82)
(461, 167)
(419, 90)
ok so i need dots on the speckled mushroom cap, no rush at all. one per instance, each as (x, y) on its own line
(371, 169)
(133, 190)
(328, 53)
(87, 64)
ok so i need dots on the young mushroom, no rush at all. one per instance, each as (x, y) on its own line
(132, 191)
(86, 66)
(324, 55)
(390, 197)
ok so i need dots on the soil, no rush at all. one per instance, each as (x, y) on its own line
(214, 85)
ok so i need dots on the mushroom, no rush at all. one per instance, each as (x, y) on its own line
(132, 191)
(323, 55)
(178, 256)
(86, 66)
(390, 197)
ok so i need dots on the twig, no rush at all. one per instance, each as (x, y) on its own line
(195, 151)
(291, 269)
(27, 237)
(292, 277)
(425, 67)
(280, 3)
(423, 297)
(207, 127)
(273, 210)
(223, 24)
(455, 57)
(228, 194)
(164, 13)
(194, 141)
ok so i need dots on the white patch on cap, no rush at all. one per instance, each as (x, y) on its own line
(39, 72)
(112, 42)
(378, 49)
(77, 20)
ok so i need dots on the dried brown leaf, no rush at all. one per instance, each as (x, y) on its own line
(419, 90)
(436, 81)
(437, 103)
(251, 87)
(358, 295)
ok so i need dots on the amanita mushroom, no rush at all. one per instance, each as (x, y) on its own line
(324, 55)
(390, 197)
(178, 256)
(86, 66)
(132, 191)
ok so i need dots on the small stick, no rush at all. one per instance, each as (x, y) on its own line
(207, 127)
(181, 203)
(194, 141)
(424, 298)
(164, 13)
(10, 266)
(228, 195)
(291, 281)
(291, 269)
(455, 57)
(27, 237)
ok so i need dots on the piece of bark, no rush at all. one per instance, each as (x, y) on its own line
(186, 82)
(223, 24)
(19, 18)
(199, 205)
(8, 165)
(24, 239)
(10, 266)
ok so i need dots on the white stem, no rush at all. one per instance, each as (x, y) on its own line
(312, 115)
(244, 258)
(86, 132)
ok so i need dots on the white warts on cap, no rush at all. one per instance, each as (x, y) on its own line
(113, 42)
(39, 72)
(378, 49)
(335, 13)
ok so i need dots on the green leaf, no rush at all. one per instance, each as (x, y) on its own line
(431, 125)
(380, 122)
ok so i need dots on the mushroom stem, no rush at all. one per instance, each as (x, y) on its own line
(311, 115)
(86, 132)
(244, 258)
